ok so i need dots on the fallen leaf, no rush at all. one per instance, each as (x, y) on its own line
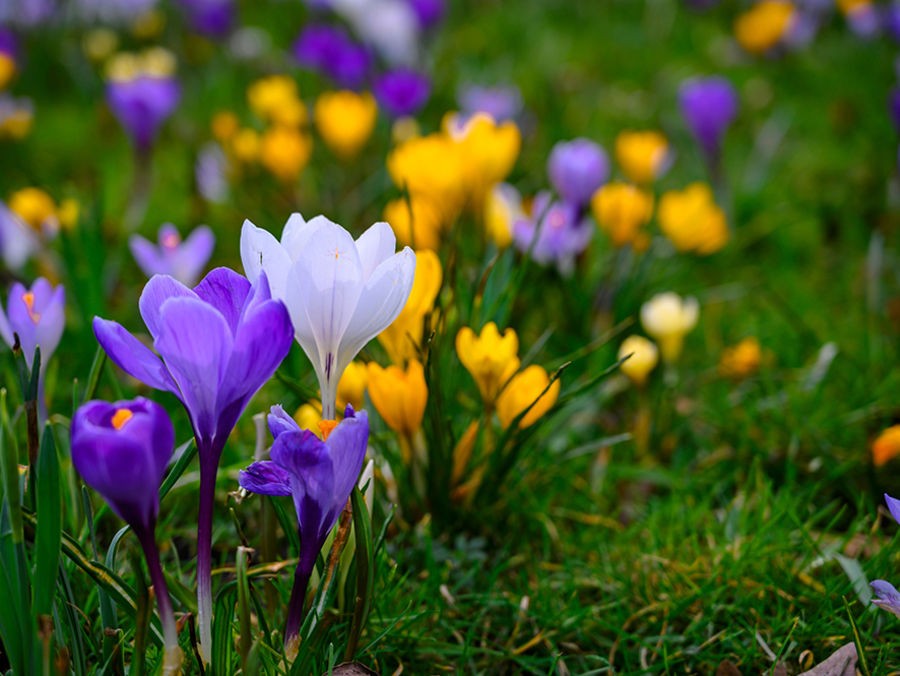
(841, 663)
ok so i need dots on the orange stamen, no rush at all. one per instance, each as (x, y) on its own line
(120, 417)
(326, 427)
(171, 240)
(28, 299)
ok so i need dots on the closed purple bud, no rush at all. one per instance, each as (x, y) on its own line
(121, 450)
(709, 106)
(402, 92)
(142, 104)
(577, 169)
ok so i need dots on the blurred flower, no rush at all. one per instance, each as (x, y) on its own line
(219, 342)
(644, 156)
(399, 395)
(225, 124)
(553, 233)
(488, 151)
(352, 386)
(340, 293)
(16, 116)
(621, 209)
(140, 14)
(142, 93)
(245, 146)
(402, 92)
(402, 339)
(417, 223)
(863, 17)
(18, 242)
(285, 152)
(319, 476)
(210, 173)
(36, 208)
(274, 99)
(390, 27)
(428, 12)
(643, 359)
(490, 358)
(577, 169)
(121, 450)
(345, 120)
(764, 25)
(182, 260)
(8, 53)
(37, 316)
(742, 360)
(709, 106)
(691, 219)
(26, 13)
(888, 596)
(308, 416)
(432, 167)
(501, 103)
(527, 388)
(668, 318)
(331, 51)
(887, 446)
(502, 209)
(214, 18)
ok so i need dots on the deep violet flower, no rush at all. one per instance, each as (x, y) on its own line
(402, 92)
(214, 18)
(319, 476)
(428, 12)
(888, 596)
(141, 104)
(218, 344)
(121, 450)
(330, 51)
(183, 260)
(709, 106)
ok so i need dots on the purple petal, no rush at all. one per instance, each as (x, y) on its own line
(6, 331)
(193, 254)
(49, 329)
(196, 343)
(226, 291)
(280, 422)
(347, 444)
(265, 478)
(146, 255)
(894, 506)
(888, 596)
(132, 356)
(157, 291)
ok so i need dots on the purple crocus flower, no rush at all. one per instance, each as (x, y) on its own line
(402, 92)
(428, 12)
(864, 20)
(219, 343)
(319, 476)
(141, 104)
(329, 50)
(556, 233)
(709, 106)
(37, 316)
(501, 103)
(577, 169)
(18, 242)
(214, 18)
(9, 45)
(182, 260)
(888, 596)
(121, 450)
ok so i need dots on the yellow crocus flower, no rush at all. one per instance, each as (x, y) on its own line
(668, 318)
(762, 26)
(490, 358)
(399, 396)
(527, 388)
(643, 359)
(489, 151)
(742, 360)
(352, 386)
(401, 338)
(431, 167)
(692, 221)
(285, 152)
(621, 209)
(269, 95)
(34, 206)
(642, 155)
(886, 446)
(345, 120)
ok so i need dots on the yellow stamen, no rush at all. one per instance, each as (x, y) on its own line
(28, 299)
(120, 417)
(326, 427)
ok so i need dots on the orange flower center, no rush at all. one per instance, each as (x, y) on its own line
(28, 299)
(171, 240)
(326, 427)
(120, 417)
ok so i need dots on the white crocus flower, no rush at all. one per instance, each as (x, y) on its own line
(340, 293)
(668, 318)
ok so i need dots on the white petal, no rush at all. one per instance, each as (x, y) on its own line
(375, 246)
(298, 233)
(261, 251)
(384, 296)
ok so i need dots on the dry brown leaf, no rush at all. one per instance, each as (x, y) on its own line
(842, 662)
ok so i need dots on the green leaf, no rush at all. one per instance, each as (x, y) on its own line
(223, 616)
(48, 533)
(365, 570)
(185, 453)
(90, 387)
(243, 604)
(9, 470)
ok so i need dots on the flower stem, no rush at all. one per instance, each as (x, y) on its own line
(172, 656)
(296, 603)
(208, 467)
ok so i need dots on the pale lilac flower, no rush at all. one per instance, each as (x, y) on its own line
(577, 169)
(18, 242)
(210, 173)
(501, 103)
(340, 293)
(556, 232)
(888, 596)
(183, 260)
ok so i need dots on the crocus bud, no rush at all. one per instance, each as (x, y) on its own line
(490, 358)
(399, 396)
(122, 450)
(709, 106)
(526, 388)
(643, 359)
(577, 169)
(886, 446)
(345, 120)
(764, 25)
(668, 318)
(742, 360)
(643, 155)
